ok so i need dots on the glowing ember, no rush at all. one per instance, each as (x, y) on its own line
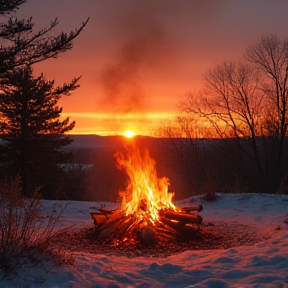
(145, 194)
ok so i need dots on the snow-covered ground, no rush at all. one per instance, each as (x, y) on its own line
(264, 264)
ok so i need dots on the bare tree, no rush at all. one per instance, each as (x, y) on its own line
(270, 56)
(230, 104)
(232, 96)
(234, 104)
(246, 104)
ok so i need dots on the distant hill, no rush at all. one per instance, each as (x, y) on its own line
(94, 141)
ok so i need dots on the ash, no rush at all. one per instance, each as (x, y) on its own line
(211, 236)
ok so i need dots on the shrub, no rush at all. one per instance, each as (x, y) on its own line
(25, 232)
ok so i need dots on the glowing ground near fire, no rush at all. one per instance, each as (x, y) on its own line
(262, 264)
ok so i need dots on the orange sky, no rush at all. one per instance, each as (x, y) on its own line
(137, 57)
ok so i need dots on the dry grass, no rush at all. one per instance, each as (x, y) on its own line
(25, 232)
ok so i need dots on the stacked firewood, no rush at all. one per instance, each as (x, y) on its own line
(181, 224)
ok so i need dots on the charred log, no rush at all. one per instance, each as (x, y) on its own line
(197, 208)
(181, 217)
(115, 224)
(147, 235)
(105, 211)
(182, 230)
(99, 218)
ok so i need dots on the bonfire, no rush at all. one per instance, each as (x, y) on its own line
(147, 212)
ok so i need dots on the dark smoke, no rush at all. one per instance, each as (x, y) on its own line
(147, 31)
(144, 49)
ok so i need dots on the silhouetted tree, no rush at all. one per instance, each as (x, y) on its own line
(233, 104)
(32, 129)
(270, 56)
(181, 144)
(246, 104)
(7, 6)
(23, 46)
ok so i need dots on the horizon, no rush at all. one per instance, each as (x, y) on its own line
(131, 122)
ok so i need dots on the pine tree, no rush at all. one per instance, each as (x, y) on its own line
(32, 129)
(23, 46)
(7, 6)
(29, 116)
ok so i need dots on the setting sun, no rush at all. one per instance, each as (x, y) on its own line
(129, 134)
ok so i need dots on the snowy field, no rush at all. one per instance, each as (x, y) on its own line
(264, 264)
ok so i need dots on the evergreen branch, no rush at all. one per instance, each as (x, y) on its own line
(7, 6)
(37, 48)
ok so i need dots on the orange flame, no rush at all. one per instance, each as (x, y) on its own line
(145, 193)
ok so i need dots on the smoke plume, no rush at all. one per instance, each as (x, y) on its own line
(145, 48)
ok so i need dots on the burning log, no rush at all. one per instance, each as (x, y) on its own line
(147, 235)
(171, 225)
(99, 218)
(147, 212)
(197, 208)
(105, 211)
(181, 217)
(114, 224)
(180, 229)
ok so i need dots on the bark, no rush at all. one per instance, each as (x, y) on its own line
(99, 218)
(197, 208)
(114, 224)
(147, 235)
(182, 230)
(105, 211)
(181, 217)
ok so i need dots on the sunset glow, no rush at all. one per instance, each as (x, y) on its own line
(129, 134)
(135, 69)
(105, 124)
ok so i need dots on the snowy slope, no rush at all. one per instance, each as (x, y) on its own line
(264, 264)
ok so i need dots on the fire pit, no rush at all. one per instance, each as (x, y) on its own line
(147, 213)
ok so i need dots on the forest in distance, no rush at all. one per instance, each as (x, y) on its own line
(193, 166)
(101, 178)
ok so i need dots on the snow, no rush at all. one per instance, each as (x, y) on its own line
(264, 264)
